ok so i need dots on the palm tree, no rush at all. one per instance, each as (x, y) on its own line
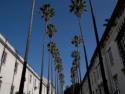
(51, 47)
(56, 55)
(21, 87)
(77, 7)
(51, 29)
(76, 55)
(106, 89)
(73, 76)
(59, 68)
(47, 13)
(76, 62)
(77, 41)
(61, 78)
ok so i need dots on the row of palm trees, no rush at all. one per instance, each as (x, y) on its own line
(75, 69)
(47, 13)
(77, 7)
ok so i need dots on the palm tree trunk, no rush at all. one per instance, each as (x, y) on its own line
(55, 83)
(21, 87)
(86, 59)
(48, 84)
(61, 88)
(106, 89)
(51, 76)
(74, 87)
(78, 78)
(79, 71)
(42, 64)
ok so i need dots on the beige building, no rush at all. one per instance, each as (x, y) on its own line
(11, 64)
(113, 51)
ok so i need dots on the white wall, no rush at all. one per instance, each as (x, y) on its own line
(111, 70)
(8, 76)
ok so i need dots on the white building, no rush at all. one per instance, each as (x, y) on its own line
(11, 64)
(113, 51)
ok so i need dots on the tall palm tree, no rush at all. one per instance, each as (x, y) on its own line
(76, 61)
(21, 87)
(59, 68)
(76, 67)
(77, 41)
(47, 13)
(56, 55)
(51, 47)
(73, 77)
(106, 89)
(77, 7)
(51, 29)
(61, 78)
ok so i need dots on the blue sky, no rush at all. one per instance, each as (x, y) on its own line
(14, 20)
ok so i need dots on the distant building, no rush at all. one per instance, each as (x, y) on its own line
(11, 64)
(113, 51)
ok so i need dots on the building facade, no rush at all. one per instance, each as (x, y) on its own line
(11, 65)
(113, 53)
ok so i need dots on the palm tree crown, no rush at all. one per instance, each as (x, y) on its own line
(76, 55)
(76, 40)
(77, 6)
(73, 73)
(51, 29)
(47, 12)
(61, 78)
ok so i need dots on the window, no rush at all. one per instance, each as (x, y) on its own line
(30, 78)
(121, 43)
(16, 67)
(3, 59)
(110, 55)
(35, 87)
